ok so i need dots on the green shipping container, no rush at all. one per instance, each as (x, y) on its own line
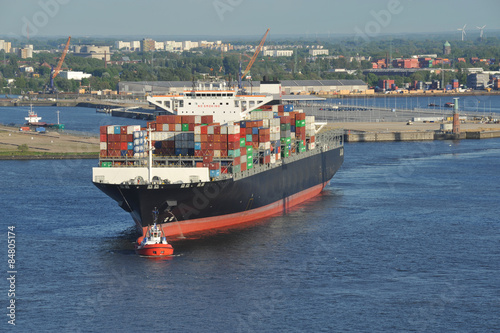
(285, 153)
(233, 153)
(285, 127)
(300, 123)
(185, 127)
(250, 158)
(242, 142)
(249, 150)
(106, 164)
(301, 143)
(249, 165)
(286, 140)
(302, 149)
(236, 168)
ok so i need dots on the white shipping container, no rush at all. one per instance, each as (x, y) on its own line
(197, 129)
(224, 129)
(197, 119)
(210, 130)
(133, 128)
(216, 153)
(103, 146)
(273, 158)
(197, 138)
(311, 146)
(111, 130)
(165, 127)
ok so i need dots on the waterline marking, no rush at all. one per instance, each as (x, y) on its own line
(11, 273)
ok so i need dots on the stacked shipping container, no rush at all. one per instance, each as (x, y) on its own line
(272, 133)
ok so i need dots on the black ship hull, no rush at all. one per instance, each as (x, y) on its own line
(194, 209)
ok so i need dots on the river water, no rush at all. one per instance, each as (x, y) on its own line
(405, 238)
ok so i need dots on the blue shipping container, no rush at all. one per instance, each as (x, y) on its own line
(255, 130)
(123, 153)
(214, 173)
(130, 145)
(197, 145)
(117, 130)
(178, 151)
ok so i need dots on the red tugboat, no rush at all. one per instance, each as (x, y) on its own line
(154, 243)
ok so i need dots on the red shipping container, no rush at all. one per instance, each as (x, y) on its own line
(123, 130)
(188, 119)
(130, 137)
(130, 153)
(123, 137)
(216, 129)
(223, 152)
(285, 120)
(198, 153)
(233, 138)
(223, 145)
(217, 146)
(204, 129)
(191, 127)
(233, 145)
(210, 138)
(123, 145)
(255, 145)
(204, 145)
(103, 153)
(207, 119)
(171, 127)
(103, 138)
(210, 146)
(214, 166)
(103, 129)
(300, 116)
(178, 119)
(223, 170)
(243, 167)
(248, 130)
(236, 161)
(113, 153)
(243, 150)
(264, 138)
(255, 138)
(199, 164)
(207, 159)
(204, 137)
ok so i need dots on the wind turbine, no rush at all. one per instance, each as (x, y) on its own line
(463, 32)
(481, 31)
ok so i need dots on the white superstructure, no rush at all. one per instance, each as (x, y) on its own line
(225, 105)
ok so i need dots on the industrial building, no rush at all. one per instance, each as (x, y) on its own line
(478, 80)
(71, 75)
(277, 53)
(289, 87)
(92, 51)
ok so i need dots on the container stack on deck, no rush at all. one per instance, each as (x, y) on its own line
(271, 133)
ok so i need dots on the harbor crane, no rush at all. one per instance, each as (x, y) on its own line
(257, 51)
(54, 72)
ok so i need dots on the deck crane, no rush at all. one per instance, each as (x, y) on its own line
(55, 72)
(257, 51)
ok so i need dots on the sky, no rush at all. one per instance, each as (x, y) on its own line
(146, 18)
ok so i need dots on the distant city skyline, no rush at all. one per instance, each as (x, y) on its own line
(363, 19)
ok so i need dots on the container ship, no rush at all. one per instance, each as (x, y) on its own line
(217, 159)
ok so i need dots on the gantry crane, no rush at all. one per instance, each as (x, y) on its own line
(55, 72)
(257, 51)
